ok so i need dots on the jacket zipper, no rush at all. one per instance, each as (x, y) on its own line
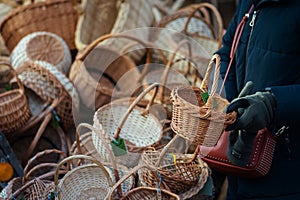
(251, 24)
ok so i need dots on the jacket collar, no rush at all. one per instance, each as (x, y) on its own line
(258, 3)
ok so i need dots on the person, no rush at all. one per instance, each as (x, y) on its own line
(267, 54)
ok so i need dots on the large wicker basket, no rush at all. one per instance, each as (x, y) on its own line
(196, 120)
(56, 16)
(104, 17)
(89, 180)
(42, 46)
(14, 107)
(99, 71)
(139, 128)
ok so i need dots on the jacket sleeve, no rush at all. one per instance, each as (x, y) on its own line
(224, 52)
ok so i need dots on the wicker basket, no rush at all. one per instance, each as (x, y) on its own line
(86, 147)
(129, 15)
(139, 128)
(198, 121)
(142, 193)
(87, 181)
(43, 46)
(49, 83)
(35, 184)
(96, 82)
(14, 107)
(55, 16)
(179, 172)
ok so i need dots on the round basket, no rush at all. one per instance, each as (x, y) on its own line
(123, 16)
(87, 181)
(139, 128)
(196, 120)
(55, 16)
(14, 107)
(97, 71)
(43, 46)
(142, 193)
(49, 83)
(179, 172)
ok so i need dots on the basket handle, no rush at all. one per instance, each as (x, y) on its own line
(134, 103)
(27, 172)
(14, 73)
(70, 158)
(205, 83)
(216, 14)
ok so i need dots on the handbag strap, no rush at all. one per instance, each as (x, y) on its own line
(237, 36)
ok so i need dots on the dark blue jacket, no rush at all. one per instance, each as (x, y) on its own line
(269, 55)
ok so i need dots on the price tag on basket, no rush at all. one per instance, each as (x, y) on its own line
(119, 147)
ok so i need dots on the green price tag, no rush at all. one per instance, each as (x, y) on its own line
(119, 147)
(7, 87)
(204, 96)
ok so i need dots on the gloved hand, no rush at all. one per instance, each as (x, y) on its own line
(254, 113)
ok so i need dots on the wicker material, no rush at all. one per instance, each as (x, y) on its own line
(139, 128)
(196, 121)
(55, 16)
(14, 107)
(42, 46)
(97, 72)
(179, 172)
(49, 83)
(82, 182)
(142, 193)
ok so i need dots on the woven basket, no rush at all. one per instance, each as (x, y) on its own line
(86, 147)
(99, 70)
(49, 83)
(142, 193)
(55, 16)
(14, 107)
(82, 182)
(139, 128)
(131, 14)
(179, 172)
(35, 184)
(42, 46)
(195, 120)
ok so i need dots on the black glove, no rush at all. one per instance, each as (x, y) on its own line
(254, 113)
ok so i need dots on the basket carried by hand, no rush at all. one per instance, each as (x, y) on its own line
(14, 107)
(49, 83)
(87, 181)
(138, 128)
(179, 172)
(55, 16)
(100, 70)
(42, 46)
(143, 192)
(196, 120)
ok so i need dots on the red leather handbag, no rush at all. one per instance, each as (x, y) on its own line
(259, 163)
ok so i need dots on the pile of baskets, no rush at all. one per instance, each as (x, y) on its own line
(94, 104)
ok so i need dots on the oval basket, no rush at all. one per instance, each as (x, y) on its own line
(42, 46)
(198, 121)
(96, 72)
(55, 16)
(14, 107)
(129, 15)
(49, 83)
(139, 128)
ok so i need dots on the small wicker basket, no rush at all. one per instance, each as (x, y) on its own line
(139, 128)
(87, 181)
(55, 16)
(42, 46)
(14, 107)
(198, 121)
